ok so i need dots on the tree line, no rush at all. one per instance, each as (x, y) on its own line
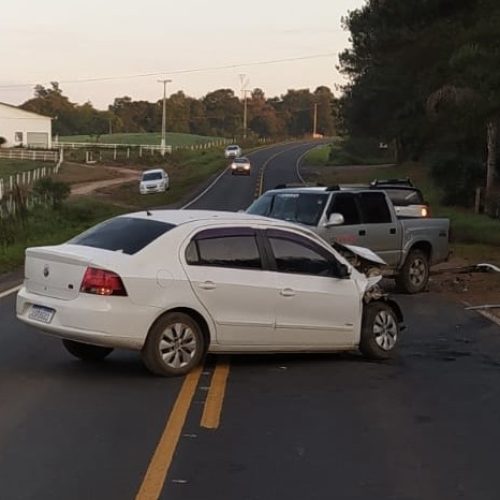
(219, 113)
(424, 76)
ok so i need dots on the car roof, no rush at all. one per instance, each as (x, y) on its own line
(232, 146)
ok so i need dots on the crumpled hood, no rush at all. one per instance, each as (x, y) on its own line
(365, 253)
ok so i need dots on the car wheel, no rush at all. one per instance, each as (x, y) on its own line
(379, 331)
(86, 352)
(414, 275)
(174, 346)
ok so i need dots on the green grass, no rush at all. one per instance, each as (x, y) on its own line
(150, 139)
(47, 227)
(467, 227)
(336, 154)
(11, 167)
(186, 170)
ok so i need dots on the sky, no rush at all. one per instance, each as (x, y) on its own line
(70, 40)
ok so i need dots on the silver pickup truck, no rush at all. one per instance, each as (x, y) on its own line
(364, 218)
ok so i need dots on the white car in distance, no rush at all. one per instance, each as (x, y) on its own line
(233, 151)
(154, 181)
(241, 166)
(178, 284)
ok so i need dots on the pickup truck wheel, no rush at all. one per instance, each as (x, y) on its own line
(414, 275)
(379, 331)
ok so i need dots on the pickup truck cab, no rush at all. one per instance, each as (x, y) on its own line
(364, 218)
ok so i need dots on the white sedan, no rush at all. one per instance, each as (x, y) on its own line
(178, 284)
(233, 151)
(154, 181)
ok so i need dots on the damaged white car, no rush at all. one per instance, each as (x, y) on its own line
(178, 284)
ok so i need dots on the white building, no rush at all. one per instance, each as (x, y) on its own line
(24, 128)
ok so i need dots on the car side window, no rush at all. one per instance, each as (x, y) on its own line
(231, 248)
(374, 208)
(297, 255)
(345, 204)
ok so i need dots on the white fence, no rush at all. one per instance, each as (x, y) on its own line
(29, 154)
(26, 178)
(141, 147)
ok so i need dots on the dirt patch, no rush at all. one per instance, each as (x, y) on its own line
(474, 288)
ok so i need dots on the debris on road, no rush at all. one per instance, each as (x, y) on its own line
(482, 308)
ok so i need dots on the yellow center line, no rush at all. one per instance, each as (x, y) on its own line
(215, 397)
(160, 463)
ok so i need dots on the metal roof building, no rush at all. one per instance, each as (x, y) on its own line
(24, 128)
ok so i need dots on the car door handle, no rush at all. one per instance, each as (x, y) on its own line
(362, 232)
(393, 230)
(207, 285)
(287, 292)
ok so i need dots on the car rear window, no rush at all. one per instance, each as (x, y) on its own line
(405, 197)
(123, 234)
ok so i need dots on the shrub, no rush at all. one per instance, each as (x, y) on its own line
(458, 177)
(55, 191)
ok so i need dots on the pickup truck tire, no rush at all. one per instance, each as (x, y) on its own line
(379, 331)
(414, 275)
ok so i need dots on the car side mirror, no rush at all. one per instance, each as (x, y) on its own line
(335, 220)
(343, 272)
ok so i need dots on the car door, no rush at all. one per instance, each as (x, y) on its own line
(353, 231)
(382, 229)
(225, 268)
(314, 309)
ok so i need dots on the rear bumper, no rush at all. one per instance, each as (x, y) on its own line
(104, 321)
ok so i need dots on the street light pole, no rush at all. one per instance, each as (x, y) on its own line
(164, 116)
(315, 124)
(245, 113)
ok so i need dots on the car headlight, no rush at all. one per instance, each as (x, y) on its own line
(247, 167)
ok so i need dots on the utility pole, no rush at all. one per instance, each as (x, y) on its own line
(244, 82)
(164, 116)
(315, 122)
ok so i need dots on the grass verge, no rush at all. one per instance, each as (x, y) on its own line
(11, 167)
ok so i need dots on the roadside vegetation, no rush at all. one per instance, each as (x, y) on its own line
(12, 167)
(424, 78)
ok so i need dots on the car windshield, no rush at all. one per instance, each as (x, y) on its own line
(232, 148)
(303, 208)
(152, 176)
(402, 197)
(123, 234)
(241, 160)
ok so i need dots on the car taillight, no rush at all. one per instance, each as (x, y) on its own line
(102, 282)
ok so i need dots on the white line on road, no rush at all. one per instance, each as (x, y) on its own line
(203, 193)
(10, 291)
(299, 162)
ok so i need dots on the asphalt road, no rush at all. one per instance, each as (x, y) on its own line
(424, 426)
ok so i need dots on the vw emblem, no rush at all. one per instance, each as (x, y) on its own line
(46, 271)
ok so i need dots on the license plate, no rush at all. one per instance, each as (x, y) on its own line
(42, 314)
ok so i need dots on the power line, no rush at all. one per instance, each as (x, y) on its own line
(176, 72)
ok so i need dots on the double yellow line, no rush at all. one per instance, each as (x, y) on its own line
(159, 466)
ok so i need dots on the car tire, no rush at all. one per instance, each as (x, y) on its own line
(414, 276)
(174, 346)
(86, 352)
(379, 331)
